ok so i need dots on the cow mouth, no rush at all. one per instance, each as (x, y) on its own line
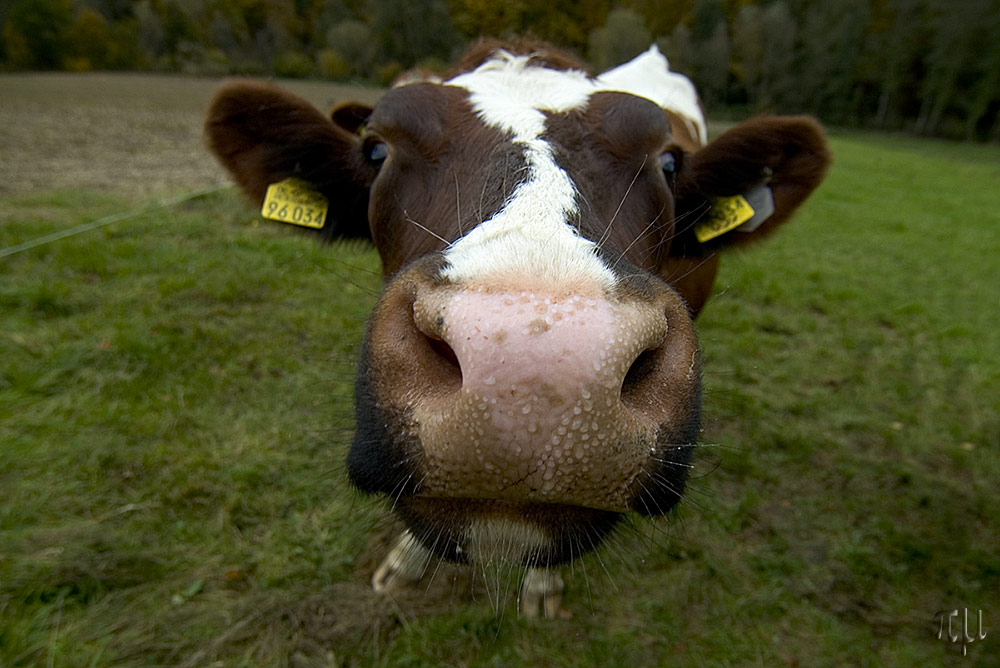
(484, 531)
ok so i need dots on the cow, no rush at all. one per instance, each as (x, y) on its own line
(530, 373)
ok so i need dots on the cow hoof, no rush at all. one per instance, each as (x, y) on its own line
(541, 593)
(404, 565)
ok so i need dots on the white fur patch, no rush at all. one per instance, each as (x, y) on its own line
(648, 75)
(531, 235)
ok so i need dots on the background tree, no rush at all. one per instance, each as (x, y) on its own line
(87, 41)
(985, 89)
(150, 29)
(328, 14)
(180, 31)
(956, 50)
(662, 17)
(566, 22)
(353, 41)
(35, 33)
(622, 37)
(679, 49)
(112, 10)
(710, 66)
(931, 66)
(895, 45)
(412, 31)
(705, 16)
(124, 52)
(748, 52)
(776, 82)
(478, 18)
(831, 41)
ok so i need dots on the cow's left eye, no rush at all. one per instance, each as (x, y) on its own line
(670, 163)
(376, 152)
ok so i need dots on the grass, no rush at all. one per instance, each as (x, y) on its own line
(175, 397)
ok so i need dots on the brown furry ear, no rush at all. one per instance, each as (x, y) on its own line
(351, 116)
(262, 134)
(787, 154)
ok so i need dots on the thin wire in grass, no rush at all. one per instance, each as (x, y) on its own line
(107, 220)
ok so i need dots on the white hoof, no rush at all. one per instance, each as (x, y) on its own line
(541, 593)
(405, 564)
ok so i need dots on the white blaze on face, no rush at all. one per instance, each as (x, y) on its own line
(531, 237)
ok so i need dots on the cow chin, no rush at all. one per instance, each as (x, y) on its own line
(491, 519)
(489, 531)
(483, 529)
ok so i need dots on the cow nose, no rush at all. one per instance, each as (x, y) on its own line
(545, 396)
(533, 354)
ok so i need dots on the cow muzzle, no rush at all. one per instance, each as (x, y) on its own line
(542, 396)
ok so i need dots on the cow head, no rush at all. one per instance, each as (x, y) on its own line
(531, 371)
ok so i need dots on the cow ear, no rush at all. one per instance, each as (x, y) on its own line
(262, 135)
(747, 182)
(351, 116)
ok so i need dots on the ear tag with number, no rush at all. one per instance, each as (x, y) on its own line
(296, 202)
(727, 213)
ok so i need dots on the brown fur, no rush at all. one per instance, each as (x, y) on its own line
(448, 172)
(543, 54)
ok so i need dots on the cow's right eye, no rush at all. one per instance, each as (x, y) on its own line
(669, 163)
(376, 152)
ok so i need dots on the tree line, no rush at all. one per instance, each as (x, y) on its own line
(925, 66)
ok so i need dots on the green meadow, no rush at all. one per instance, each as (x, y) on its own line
(175, 408)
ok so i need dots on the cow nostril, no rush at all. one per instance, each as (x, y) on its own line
(440, 372)
(442, 363)
(638, 375)
(446, 354)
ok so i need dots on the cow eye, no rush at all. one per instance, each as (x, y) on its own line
(376, 152)
(670, 163)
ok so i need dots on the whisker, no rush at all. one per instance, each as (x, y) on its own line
(670, 462)
(695, 213)
(458, 205)
(692, 269)
(427, 230)
(663, 240)
(397, 495)
(640, 236)
(438, 562)
(348, 280)
(600, 561)
(607, 230)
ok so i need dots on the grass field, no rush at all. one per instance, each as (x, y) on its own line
(175, 404)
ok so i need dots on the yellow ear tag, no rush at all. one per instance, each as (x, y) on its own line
(296, 202)
(727, 213)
